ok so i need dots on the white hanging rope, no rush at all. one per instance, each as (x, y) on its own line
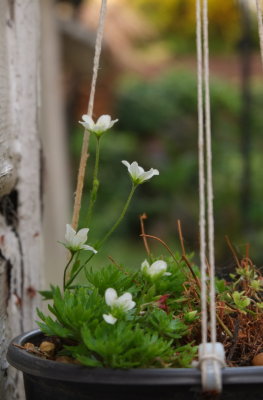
(210, 211)
(202, 222)
(211, 355)
(260, 26)
(85, 144)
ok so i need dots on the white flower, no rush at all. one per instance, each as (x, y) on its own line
(158, 268)
(138, 174)
(124, 302)
(117, 304)
(103, 123)
(75, 241)
(109, 318)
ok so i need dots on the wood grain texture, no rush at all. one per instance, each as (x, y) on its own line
(20, 219)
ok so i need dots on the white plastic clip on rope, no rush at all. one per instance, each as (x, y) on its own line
(211, 359)
(211, 355)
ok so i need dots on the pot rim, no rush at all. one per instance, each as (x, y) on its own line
(30, 364)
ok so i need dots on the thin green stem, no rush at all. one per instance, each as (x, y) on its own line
(108, 234)
(117, 223)
(65, 271)
(78, 271)
(95, 184)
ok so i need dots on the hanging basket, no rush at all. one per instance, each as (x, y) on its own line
(45, 379)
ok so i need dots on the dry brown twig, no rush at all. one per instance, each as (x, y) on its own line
(145, 242)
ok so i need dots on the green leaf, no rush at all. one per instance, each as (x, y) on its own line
(221, 285)
(240, 300)
(124, 345)
(109, 277)
(52, 328)
(73, 309)
(88, 361)
(165, 324)
(47, 294)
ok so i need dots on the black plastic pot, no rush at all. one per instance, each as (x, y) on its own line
(50, 380)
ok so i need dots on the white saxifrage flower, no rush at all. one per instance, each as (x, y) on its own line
(103, 123)
(123, 303)
(156, 269)
(138, 174)
(75, 241)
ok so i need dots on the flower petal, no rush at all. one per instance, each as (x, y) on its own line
(125, 302)
(83, 124)
(125, 296)
(132, 305)
(110, 319)
(158, 266)
(103, 122)
(149, 174)
(82, 235)
(88, 122)
(127, 164)
(145, 265)
(135, 170)
(113, 122)
(141, 170)
(110, 296)
(70, 234)
(87, 119)
(90, 248)
(128, 305)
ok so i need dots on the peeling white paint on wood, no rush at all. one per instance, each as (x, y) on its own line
(6, 171)
(20, 222)
(26, 123)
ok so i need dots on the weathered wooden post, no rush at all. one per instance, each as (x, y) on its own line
(53, 134)
(20, 176)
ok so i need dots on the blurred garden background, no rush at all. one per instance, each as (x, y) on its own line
(147, 80)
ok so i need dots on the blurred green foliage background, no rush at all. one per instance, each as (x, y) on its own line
(158, 128)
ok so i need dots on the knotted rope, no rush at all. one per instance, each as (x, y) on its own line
(85, 143)
(208, 355)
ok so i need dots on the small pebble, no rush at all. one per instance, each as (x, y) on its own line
(258, 360)
(29, 346)
(47, 347)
